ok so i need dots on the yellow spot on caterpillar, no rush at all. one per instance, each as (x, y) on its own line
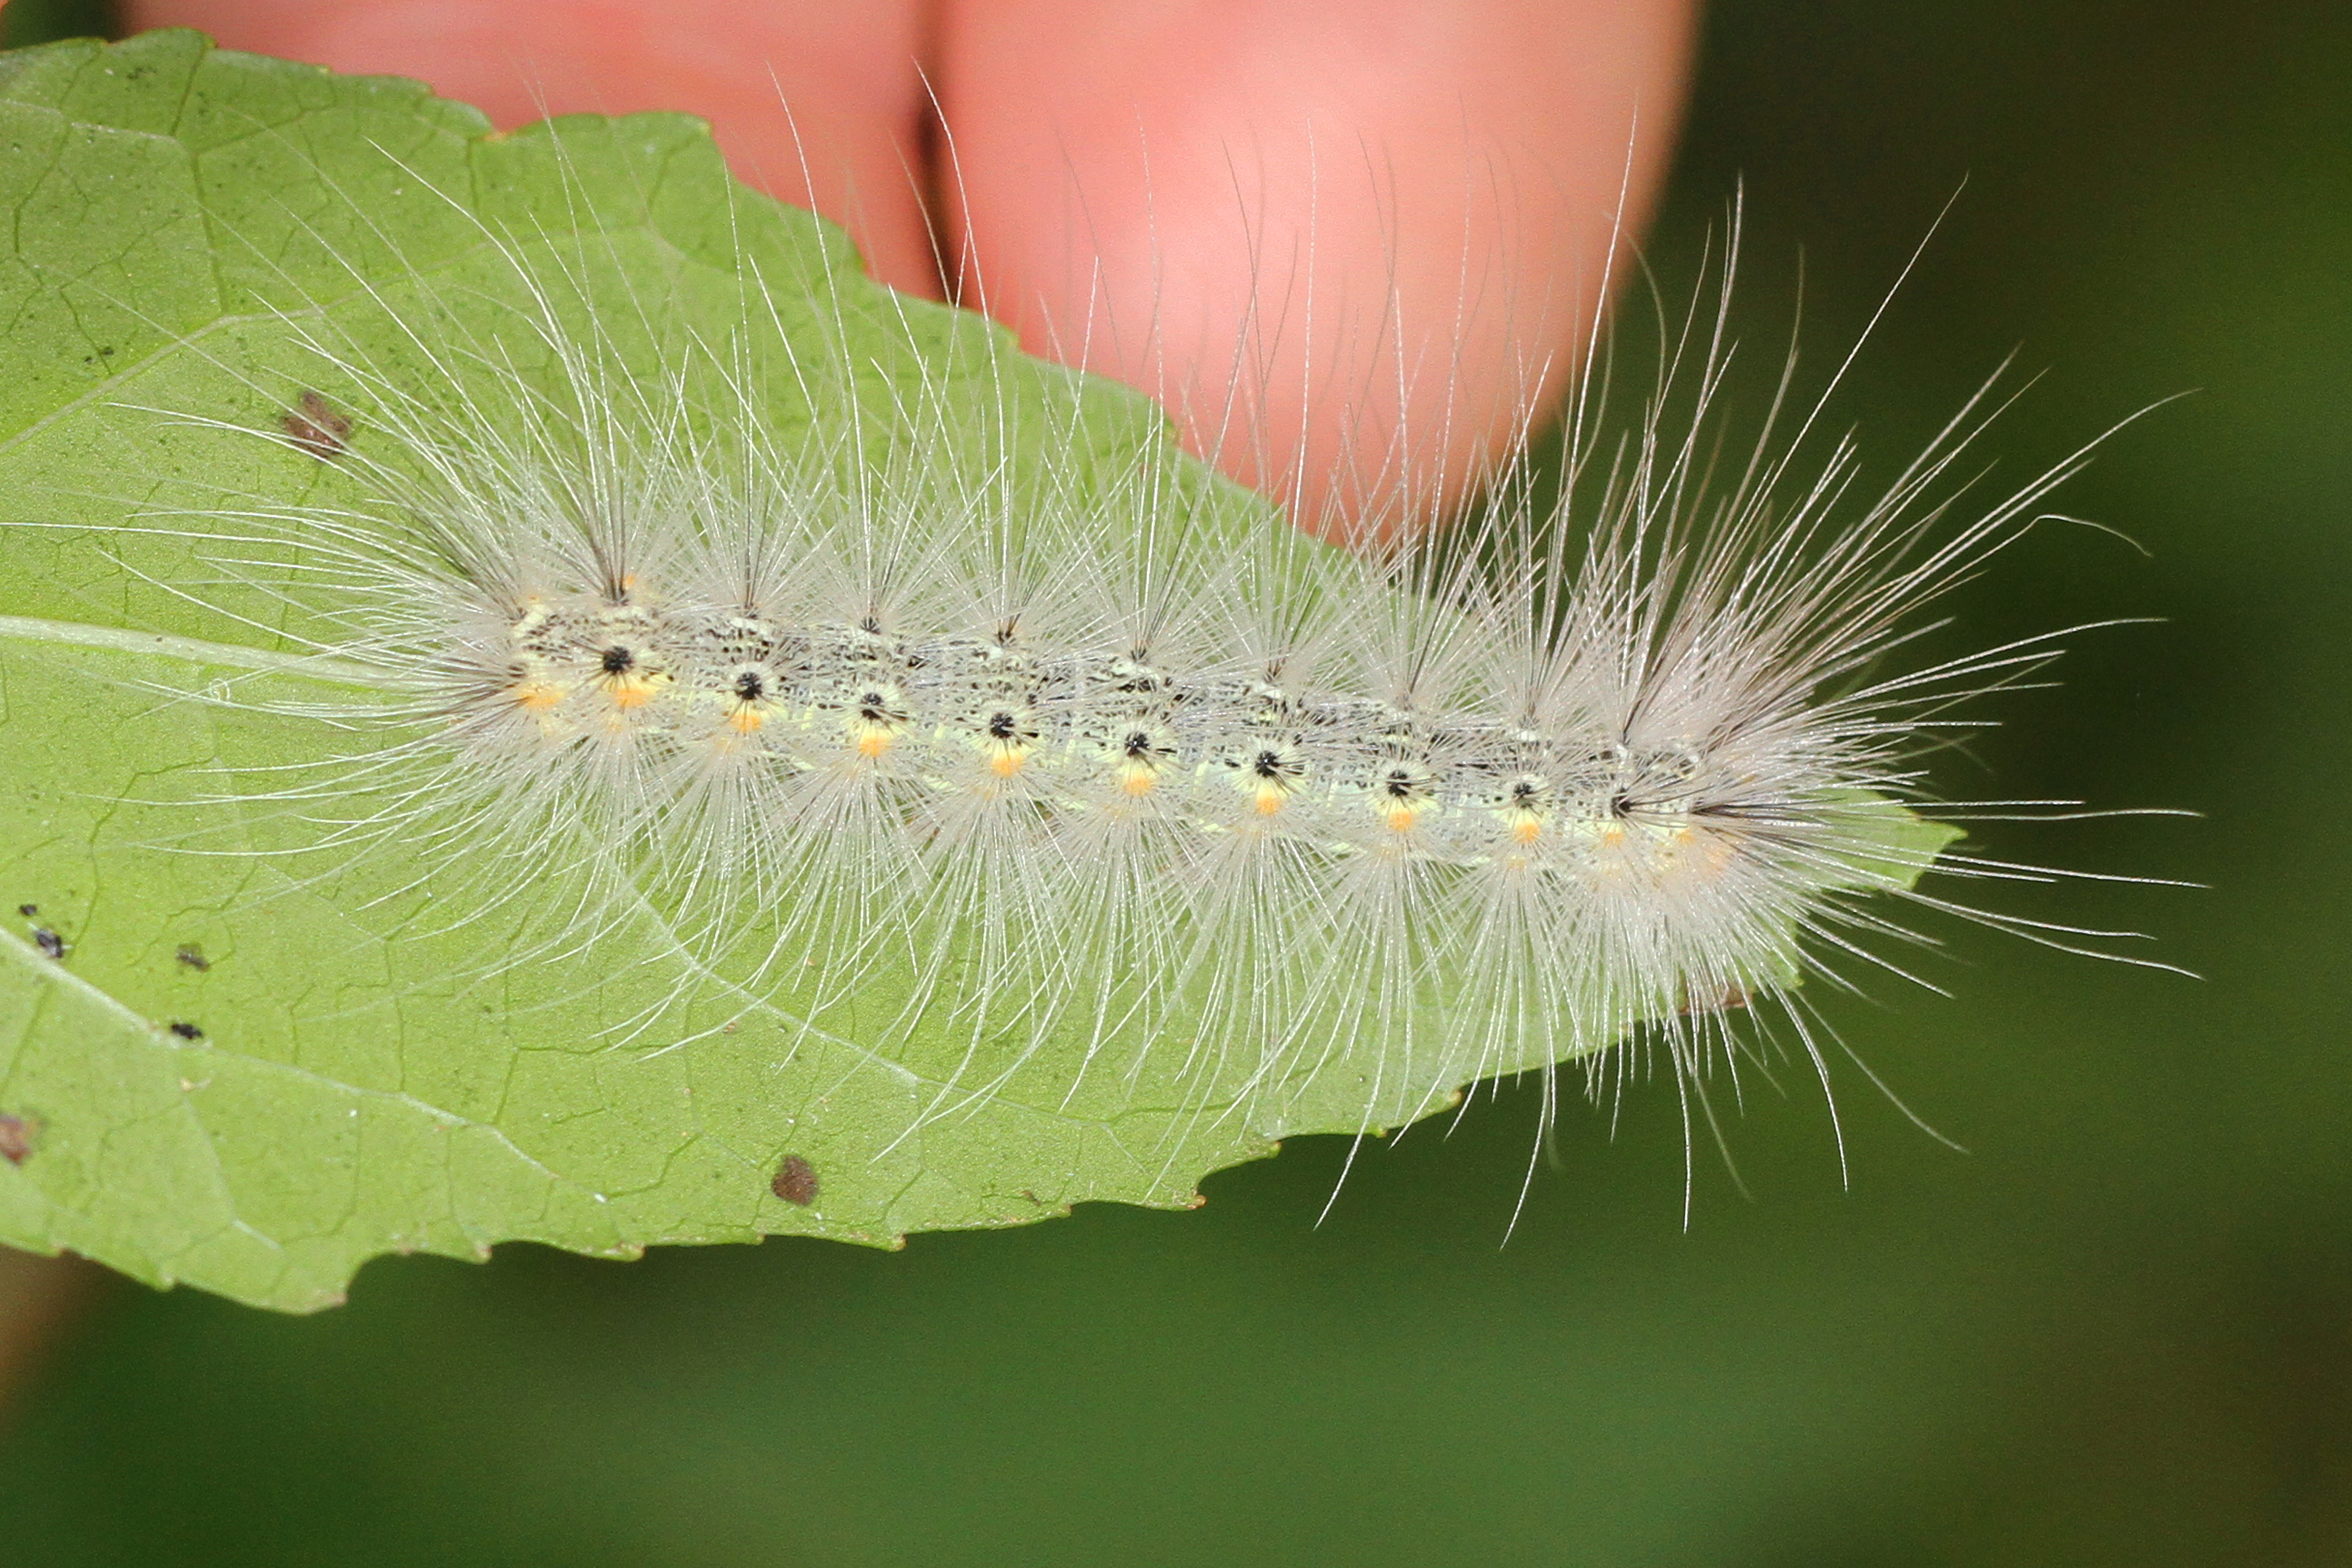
(1271, 798)
(1137, 780)
(1401, 811)
(1006, 761)
(631, 691)
(1667, 849)
(746, 720)
(537, 696)
(873, 740)
(1527, 830)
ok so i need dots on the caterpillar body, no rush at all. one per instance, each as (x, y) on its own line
(933, 699)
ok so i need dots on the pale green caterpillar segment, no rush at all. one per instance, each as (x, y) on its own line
(1073, 731)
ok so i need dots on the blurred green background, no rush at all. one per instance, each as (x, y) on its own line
(2118, 1329)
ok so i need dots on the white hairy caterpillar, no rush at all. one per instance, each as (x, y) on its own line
(954, 730)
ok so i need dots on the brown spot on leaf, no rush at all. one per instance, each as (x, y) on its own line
(186, 1031)
(193, 957)
(1733, 995)
(16, 1139)
(795, 1181)
(49, 941)
(314, 425)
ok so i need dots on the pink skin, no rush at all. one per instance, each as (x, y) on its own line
(1372, 217)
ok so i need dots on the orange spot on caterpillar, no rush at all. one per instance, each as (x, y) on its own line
(1273, 773)
(537, 696)
(1527, 832)
(1004, 765)
(746, 720)
(629, 694)
(795, 1182)
(627, 679)
(873, 743)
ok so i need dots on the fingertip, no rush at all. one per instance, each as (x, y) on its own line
(1353, 247)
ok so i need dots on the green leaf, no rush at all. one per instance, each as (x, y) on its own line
(252, 1070)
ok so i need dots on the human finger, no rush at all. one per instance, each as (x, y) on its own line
(1351, 244)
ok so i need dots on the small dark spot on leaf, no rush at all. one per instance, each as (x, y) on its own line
(49, 941)
(16, 1139)
(193, 957)
(1733, 995)
(795, 1181)
(186, 1031)
(314, 425)
(28, 910)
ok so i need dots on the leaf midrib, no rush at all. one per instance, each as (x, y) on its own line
(231, 655)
